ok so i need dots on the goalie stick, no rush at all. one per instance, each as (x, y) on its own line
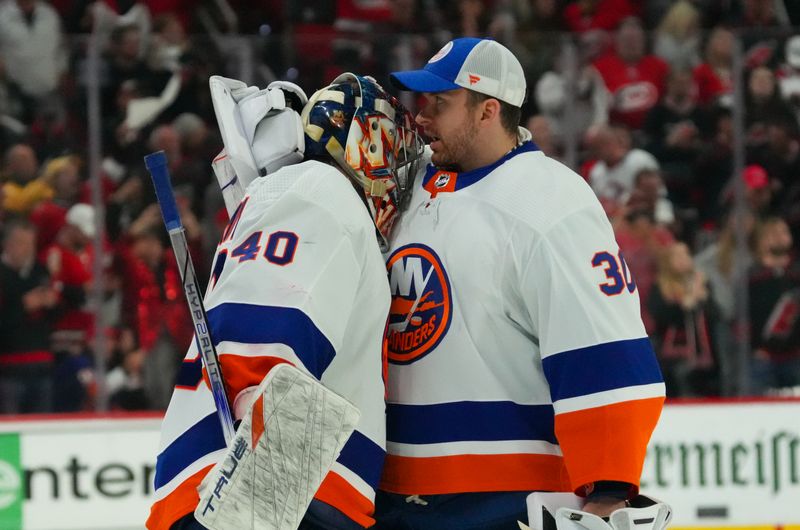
(156, 164)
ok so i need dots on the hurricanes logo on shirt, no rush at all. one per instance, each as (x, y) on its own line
(421, 304)
(636, 96)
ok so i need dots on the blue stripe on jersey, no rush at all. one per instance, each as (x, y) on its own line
(469, 420)
(256, 324)
(601, 367)
(363, 457)
(202, 438)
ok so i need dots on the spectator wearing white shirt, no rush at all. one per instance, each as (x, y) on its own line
(31, 41)
(618, 163)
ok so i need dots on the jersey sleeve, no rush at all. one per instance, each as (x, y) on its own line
(605, 383)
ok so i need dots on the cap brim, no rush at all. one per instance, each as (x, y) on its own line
(421, 81)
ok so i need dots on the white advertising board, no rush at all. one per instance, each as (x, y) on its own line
(77, 474)
(718, 465)
(727, 463)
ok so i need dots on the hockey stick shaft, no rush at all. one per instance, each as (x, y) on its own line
(157, 166)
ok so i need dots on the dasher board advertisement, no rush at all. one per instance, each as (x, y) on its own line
(77, 473)
(720, 465)
(727, 464)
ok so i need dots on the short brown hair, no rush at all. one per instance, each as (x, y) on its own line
(509, 114)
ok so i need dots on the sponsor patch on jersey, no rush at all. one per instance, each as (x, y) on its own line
(421, 308)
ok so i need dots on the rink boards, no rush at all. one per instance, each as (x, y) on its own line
(720, 465)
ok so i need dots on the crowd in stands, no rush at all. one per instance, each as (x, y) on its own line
(637, 95)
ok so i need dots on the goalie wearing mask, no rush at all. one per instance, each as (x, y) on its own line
(297, 279)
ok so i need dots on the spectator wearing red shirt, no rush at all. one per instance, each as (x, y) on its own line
(712, 78)
(585, 15)
(635, 80)
(154, 300)
(69, 262)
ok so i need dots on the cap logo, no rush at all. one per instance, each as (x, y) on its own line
(473, 79)
(441, 53)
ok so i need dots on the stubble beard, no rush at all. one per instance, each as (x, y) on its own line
(458, 147)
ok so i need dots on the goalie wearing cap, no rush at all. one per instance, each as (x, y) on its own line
(518, 360)
(298, 278)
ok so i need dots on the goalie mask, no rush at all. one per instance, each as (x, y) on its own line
(372, 138)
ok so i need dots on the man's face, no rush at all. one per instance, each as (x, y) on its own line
(451, 124)
(67, 183)
(649, 185)
(129, 44)
(762, 82)
(630, 42)
(22, 164)
(680, 85)
(149, 250)
(20, 247)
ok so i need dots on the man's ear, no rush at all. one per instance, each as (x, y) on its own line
(490, 110)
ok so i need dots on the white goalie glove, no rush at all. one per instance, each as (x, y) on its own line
(562, 511)
(261, 130)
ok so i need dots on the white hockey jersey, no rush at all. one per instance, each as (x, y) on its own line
(298, 278)
(517, 355)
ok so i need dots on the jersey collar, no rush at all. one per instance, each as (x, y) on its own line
(438, 181)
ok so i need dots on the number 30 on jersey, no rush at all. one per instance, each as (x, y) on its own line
(617, 274)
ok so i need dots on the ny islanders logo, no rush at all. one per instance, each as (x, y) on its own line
(421, 304)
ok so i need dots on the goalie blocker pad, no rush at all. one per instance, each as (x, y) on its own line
(282, 451)
(562, 511)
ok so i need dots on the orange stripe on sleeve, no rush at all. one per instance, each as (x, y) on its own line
(257, 422)
(337, 492)
(183, 500)
(242, 371)
(473, 473)
(608, 442)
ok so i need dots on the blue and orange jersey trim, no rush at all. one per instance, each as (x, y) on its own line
(178, 503)
(596, 427)
(436, 180)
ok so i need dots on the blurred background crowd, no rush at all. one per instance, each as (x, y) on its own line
(682, 115)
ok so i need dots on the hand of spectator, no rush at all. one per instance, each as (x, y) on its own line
(127, 190)
(125, 135)
(39, 298)
(189, 219)
(31, 300)
(695, 293)
(682, 135)
(133, 362)
(761, 354)
(149, 218)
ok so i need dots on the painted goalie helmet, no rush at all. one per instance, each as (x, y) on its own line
(372, 138)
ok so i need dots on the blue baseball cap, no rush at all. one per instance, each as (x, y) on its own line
(482, 65)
